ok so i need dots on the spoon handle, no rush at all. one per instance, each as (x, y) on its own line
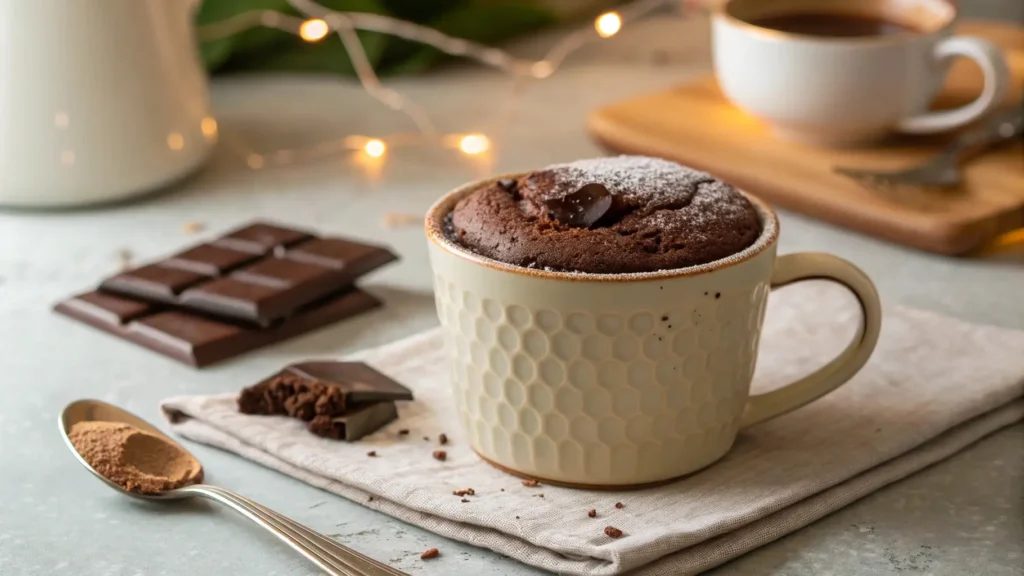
(323, 559)
(367, 566)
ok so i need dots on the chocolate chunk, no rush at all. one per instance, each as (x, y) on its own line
(201, 341)
(259, 274)
(353, 425)
(619, 505)
(340, 400)
(582, 208)
(309, 389)
(357, 382)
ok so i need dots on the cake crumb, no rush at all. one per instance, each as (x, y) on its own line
(465, 499)
(443, 439)
(403, 432)
(530, 483)
(592, 513)
(372, 453)
(431, 553)
(613, 532)
(440, 455)
(620, 505)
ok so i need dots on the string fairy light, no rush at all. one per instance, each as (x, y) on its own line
(608, 24)
(313, 30)
(317, 21)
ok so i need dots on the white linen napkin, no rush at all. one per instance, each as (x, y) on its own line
(933, 386)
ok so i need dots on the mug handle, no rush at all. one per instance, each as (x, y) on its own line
(792, 268)
(997, 81)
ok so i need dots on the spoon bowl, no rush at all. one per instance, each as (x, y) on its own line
(89, 410)
(330, 556)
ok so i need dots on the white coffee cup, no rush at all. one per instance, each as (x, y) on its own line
(621, 380)
(849, 90)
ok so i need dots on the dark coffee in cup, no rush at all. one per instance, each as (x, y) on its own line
(832, 24)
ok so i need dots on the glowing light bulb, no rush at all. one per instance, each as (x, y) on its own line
(175, 141)
(313, 30)
(608, 24)
(375, 148)
(473, 144)
(209, 127)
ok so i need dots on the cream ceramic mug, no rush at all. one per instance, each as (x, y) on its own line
(849, 90)
(615, 380)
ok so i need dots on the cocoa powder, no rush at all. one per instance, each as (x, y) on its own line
(135, 459)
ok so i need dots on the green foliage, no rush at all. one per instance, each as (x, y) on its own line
(260, 49)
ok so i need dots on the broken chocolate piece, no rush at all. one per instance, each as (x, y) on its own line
(357, 382)
(341, 400)
(582, 208)
(309, 389)
(351, 426)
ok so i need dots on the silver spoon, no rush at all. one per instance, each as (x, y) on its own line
(328, 555)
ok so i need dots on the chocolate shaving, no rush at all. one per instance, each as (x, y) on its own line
(582, 208)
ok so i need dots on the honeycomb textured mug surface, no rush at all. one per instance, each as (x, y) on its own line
(606, 380)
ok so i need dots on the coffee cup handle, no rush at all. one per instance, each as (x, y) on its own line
(997, 81)
(792, 268)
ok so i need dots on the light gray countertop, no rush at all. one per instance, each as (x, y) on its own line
(962, 516)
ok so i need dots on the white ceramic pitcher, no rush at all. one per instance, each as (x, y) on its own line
(100, 100)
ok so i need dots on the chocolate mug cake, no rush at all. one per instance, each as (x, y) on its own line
(607, 216)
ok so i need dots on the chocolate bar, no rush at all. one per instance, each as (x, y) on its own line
(260, 273)
(340, 400)
(201, 340)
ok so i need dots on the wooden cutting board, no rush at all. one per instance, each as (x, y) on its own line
(694, 125)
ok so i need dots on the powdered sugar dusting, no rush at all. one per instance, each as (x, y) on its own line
(640, 178)
(715, 201)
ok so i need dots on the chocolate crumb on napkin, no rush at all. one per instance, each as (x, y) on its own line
(934, 386)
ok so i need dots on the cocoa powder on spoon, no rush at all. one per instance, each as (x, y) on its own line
(135, 459)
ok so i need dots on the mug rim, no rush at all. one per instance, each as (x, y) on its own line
(434, 228)
(721, 13)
